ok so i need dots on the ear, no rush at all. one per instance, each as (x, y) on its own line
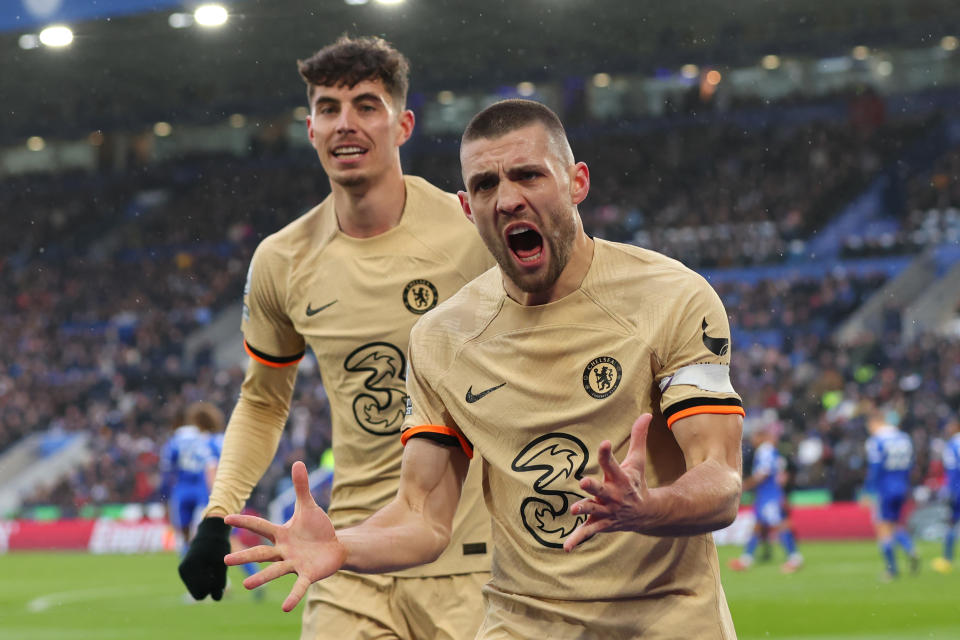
(310, 128)
(407, 121)
(579, 182)
(465, 205)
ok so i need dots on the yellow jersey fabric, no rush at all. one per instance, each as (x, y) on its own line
(534, 390)
(353, 302)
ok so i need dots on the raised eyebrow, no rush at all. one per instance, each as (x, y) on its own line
(525, 168)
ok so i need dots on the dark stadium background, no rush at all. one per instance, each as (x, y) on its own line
(804, 156)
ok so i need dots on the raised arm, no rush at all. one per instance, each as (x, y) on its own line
(704, 498)
(412, 529)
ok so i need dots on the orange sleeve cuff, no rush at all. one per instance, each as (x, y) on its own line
(271, 361)
(715, 409)
(438, 433)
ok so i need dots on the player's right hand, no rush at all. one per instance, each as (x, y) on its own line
(306, 544)
(202, 568)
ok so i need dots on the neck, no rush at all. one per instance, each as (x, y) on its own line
(370, 209)
(581, 257)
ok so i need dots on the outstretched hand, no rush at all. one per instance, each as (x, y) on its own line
(306, 544)
(621, 501)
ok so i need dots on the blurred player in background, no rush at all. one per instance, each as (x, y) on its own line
(951, 465)
(539, 367)
(889, 460)
(348, 279)
(767, 479)
(185, 464)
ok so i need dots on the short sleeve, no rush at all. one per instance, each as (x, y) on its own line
(426, 415)
(949, 457)
(695, 373)
(269, 336)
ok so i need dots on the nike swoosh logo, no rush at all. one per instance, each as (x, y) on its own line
(471, 398)
(313, 312)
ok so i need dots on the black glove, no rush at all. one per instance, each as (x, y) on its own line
(202, 569)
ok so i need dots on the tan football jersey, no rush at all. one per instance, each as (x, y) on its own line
(534, 390)
(353, 301)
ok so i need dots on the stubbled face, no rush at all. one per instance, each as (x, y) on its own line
(520, 197)
(357, 131)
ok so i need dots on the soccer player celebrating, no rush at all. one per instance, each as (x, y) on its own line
(348, 279)
(538, 368)
(890, 460)
(951, 464)
(767, 479)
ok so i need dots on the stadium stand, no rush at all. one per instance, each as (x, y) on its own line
(828, 221)
(99, 352)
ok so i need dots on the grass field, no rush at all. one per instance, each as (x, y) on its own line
(836, 596)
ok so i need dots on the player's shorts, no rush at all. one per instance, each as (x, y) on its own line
(352, 606)
(184, 502)
(514, 617)
(890, 507)
(769, 513)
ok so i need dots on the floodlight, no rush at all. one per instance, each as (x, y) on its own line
(210, 15)
(56, 35)
(770, 62)
(601, 80)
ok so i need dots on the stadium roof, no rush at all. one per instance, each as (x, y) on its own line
(127, 65)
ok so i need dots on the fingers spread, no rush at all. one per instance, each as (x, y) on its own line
(580, 534)
(260, 553)
(609, 465)
(296, 593)
(260, 526)
(272, 572)
(590, 507)
(301, 484)
(637, 454)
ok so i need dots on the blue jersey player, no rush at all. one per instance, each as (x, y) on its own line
(766, 479)
(951, 465)
(186, 463)
(889, 460)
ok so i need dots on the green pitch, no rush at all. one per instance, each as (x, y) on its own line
(837, 595)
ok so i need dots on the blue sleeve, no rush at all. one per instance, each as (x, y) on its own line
(168, 464)
(874, 465)
(873, 475)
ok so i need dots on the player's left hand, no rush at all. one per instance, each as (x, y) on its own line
(620, 501)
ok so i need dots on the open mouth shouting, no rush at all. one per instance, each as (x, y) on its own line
(525, 243)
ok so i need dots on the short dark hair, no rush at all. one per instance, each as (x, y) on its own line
(349, 61)
(509, 115)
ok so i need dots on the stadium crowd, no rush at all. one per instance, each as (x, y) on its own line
(107, 277)
(928, 216)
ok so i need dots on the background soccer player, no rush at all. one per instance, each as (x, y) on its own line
(185, 463)
(348, 279)
(538, 367)
(890, 460)
(951, 465)
(766, 479)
